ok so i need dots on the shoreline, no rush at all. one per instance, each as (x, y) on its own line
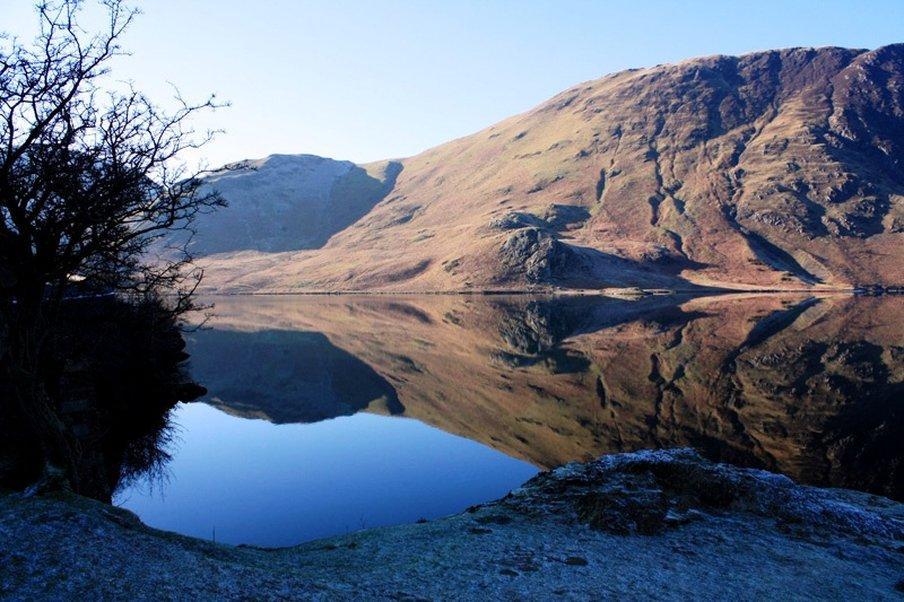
(613, 292)
(663, 524)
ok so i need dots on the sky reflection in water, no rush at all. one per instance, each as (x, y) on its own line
(279, 485)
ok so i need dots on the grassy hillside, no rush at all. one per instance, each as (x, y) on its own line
(774, 169)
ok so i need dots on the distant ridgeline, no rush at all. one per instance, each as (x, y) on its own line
(779, 169)
(289, 202)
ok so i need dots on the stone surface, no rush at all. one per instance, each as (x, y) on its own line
(725, 533)
(535, 254)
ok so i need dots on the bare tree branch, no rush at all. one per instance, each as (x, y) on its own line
(92, 188)
(91, 180)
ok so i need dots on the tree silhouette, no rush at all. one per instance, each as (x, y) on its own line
(92, 183)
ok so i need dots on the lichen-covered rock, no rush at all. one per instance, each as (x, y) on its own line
(646, 492)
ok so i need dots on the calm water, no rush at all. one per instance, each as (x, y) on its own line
(331, 414)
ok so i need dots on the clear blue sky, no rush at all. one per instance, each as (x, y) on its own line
(370, 79)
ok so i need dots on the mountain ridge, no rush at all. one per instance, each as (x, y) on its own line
(289, 202)
(775, 169)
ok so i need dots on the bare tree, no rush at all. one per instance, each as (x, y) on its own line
(91, 182)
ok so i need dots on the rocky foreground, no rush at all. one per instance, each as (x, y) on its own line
(662, 525)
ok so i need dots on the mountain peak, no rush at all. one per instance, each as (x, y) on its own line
(774, 169)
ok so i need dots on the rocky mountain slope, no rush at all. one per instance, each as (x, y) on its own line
(289, 202)
(662, 525)
(773, 169)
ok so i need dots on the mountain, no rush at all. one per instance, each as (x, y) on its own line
(778, 169)
(289, 202)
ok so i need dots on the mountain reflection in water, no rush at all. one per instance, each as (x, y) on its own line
(807, 386)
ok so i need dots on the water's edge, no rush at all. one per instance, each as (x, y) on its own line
(630, 524)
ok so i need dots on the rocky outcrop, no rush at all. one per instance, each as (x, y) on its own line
(649, 491)
(555, 217)
(535, 256)
(565, 217)
(515, 220)
(665, 525)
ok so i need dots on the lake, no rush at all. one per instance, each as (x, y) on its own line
(329, 414)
